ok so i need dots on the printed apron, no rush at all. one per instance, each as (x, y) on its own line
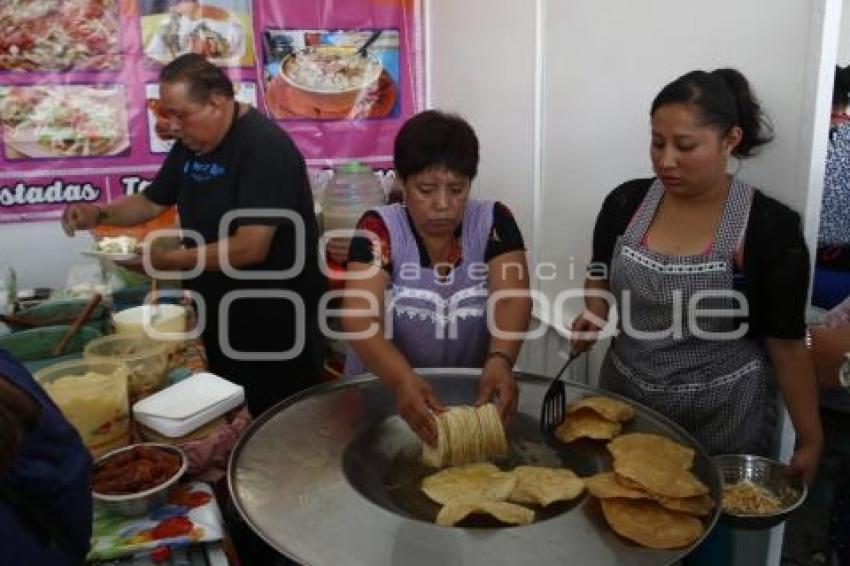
(437, 322)
(718, 388)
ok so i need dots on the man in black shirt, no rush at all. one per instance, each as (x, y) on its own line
(243, 197)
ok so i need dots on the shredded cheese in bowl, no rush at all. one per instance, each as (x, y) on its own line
(748, 498)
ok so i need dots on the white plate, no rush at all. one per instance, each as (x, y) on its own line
(113, 256)
(36, 150)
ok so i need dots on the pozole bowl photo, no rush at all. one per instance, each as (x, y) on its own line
(756, 492)
(136, 479)
(331, 78)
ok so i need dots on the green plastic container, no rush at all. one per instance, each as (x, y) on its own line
(32, 347)
(64, 311)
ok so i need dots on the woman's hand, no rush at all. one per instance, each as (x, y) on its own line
(585, 331)
(805, 461)
(497, 378)
(417, 404)
(795, 376)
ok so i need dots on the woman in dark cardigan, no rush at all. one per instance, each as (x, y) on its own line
(710, 277)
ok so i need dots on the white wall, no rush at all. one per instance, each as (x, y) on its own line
(41, 253)
(482, 66)
(844, 41)
(590, 71)
(613, 57)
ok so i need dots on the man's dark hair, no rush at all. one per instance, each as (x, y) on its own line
(202, 78)
(436, 139)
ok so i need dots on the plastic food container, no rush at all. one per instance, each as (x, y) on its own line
(92, 394)
(33, 347)
(163, 318)
(146, 360)
(353, 190)
(63, 311)
(189, 404)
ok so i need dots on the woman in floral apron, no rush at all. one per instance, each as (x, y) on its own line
(710, 278)
(435, 262)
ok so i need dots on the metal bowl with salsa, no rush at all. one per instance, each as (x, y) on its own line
(137, 478)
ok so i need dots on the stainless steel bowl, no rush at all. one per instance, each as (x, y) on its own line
(142, 502)
(766, 473)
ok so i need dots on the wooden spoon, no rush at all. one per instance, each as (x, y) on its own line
(78, 322)
(154, 294)
(153, 299)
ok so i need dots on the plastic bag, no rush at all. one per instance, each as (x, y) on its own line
(190, 516)
(84, 280)
(8, 288)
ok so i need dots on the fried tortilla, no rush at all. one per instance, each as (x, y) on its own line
(543, 486)
(606, 486)
(659, 476)
(586, 423)
(505, 512)
(472, 482)
(647, 445)
(606, 407)
(698, 505)
(651, 525)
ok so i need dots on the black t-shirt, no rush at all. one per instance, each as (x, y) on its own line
(256, 165)
(775, 271)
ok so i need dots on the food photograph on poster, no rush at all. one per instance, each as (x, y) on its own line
(63, 121)
(220, 30)
(59, 35)
(331, 75)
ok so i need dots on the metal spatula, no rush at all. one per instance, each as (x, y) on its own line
(554, 408)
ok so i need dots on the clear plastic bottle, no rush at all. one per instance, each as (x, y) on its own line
(351, 191)
(396, 192)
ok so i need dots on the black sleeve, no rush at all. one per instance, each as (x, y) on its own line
(614, 217)
(362, 249)
(776, 265)
(163, 189)
(505, 235)
(272, 173)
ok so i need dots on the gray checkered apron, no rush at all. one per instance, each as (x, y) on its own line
(717, 389)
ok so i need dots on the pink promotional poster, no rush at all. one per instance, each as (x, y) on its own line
(79, 93)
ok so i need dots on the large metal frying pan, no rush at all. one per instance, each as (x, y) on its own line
(330, 477)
